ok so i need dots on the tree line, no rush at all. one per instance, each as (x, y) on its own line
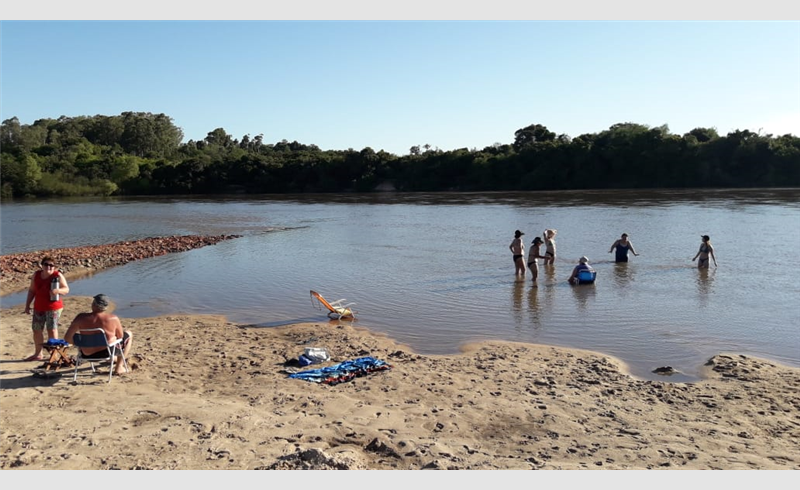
(140, 153)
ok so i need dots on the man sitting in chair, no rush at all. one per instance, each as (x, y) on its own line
(100, 318)
(583, 268)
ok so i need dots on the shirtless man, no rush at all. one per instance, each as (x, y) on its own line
(100, 318)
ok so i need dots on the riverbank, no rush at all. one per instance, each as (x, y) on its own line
(16, 270)
(208, 394)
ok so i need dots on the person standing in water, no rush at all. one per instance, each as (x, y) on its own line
(550, 246)
(517, 248)
(533, 263)
(622, 246)
(705, 250)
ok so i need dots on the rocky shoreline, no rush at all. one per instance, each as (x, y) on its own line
(17, 269)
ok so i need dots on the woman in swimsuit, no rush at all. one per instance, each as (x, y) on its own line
(622, 245)
(533, 264)
(517, 248)
(705, 250)
(550, 246)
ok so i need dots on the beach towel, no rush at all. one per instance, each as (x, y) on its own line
(342, 372)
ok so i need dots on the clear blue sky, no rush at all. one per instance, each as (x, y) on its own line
(391, 85)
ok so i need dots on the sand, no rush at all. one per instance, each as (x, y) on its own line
(206, 394)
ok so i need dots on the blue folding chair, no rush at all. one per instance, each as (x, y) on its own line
(96, 337)
(586, 276)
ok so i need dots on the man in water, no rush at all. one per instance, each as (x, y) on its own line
(100, 318)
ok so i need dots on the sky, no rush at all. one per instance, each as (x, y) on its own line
(390, 85)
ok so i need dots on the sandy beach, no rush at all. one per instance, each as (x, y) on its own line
(206, 394)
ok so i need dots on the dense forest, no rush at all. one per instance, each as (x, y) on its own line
(138, 153)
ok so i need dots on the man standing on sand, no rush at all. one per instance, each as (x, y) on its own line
(100, 318)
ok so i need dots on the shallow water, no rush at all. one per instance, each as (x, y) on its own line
(434, 270)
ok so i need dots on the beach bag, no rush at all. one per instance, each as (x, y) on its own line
(313, 355)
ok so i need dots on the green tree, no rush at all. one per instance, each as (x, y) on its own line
(704, 135)
(124, 167)
(149, 135)
(11, 135)
(220, 138)
(22, 173)
(530, 135)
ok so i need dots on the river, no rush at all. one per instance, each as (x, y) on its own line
(434, 271)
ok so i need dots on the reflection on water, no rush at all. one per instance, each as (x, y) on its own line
(705, 284)
(583, 294)
(534, 314)
(549, 274)
(623, 275)
(516, 301)
(432, 270)
(614, 198)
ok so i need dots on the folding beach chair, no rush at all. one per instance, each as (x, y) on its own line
(96, 337)
(337, 309)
